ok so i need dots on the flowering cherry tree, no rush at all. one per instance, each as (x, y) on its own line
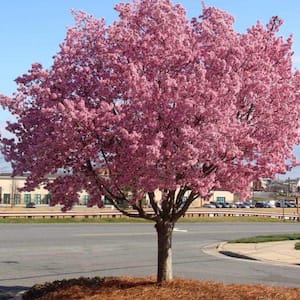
(171, 108)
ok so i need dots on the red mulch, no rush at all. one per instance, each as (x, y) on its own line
(123, 288)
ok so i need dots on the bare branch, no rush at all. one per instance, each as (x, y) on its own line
(185, 206)
(110, 173)
(139, 207)
(123, 211)
(179, 198)
(167, 204)
(209, 169)
(153, 203)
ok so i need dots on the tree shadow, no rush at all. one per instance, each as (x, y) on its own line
(10, 292)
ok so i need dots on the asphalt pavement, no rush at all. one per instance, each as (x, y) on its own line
(37, 253)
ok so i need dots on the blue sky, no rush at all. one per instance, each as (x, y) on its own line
(31, 31)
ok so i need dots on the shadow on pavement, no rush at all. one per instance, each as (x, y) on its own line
(236, 255)
(11, 292)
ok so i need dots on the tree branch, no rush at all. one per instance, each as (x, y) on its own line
(120, 209)
(110, 173)
(185, 206)
(153, 204)
(138, 206)
(167, 204)
(179, 198)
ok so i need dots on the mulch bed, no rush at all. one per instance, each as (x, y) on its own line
(125, 288)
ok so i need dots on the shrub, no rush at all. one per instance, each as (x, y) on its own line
(297, 246)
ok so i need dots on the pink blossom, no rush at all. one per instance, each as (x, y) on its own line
(160, 101)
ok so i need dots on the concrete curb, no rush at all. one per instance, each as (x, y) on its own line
(278, 254)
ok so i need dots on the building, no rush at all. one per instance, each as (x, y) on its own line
(261, 184)
(11, 196)
(216, 196)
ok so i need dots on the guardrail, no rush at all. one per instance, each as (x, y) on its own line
(61, 214)
(241, 213)
(116, 214)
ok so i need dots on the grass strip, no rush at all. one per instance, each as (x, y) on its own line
(268, 238)
(34, 220)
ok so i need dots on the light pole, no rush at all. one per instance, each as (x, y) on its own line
(282, 204)
(297, 208)
(12, 200)
(287, 196)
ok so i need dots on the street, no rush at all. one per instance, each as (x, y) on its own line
(36, 253)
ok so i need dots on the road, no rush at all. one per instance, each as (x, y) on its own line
(36, 253)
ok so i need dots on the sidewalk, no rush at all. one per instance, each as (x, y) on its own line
(273, 252)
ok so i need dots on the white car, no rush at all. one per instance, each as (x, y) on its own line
(208, 205)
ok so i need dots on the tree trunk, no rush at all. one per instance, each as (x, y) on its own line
(164, 257)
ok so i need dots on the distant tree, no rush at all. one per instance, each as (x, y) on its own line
(162, 103)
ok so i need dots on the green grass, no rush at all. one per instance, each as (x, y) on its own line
(232, 219)
(268, 238)
(297, 246)
(69, 220)
(204, 219)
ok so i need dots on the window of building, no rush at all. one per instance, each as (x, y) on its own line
(37, 198)
(47, 199)
(221, 199)
(27, 198)
(6, 199)
(106, 201)
(17, 199)
(85, 199)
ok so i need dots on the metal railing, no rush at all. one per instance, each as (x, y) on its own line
(198, 213)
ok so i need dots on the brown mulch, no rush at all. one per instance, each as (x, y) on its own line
(124, 288)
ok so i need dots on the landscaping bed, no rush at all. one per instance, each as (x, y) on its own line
(113, 288)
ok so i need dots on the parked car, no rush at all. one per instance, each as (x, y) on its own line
(245, 204)
(219, 205)
(225, 205)
(30, 205)
(271, 203)
(262, 205)
(208, 205)
(281, 204)
(290, 204)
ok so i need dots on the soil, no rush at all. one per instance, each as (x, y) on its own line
(125, 288)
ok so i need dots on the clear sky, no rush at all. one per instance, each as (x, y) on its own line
(31, 31)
